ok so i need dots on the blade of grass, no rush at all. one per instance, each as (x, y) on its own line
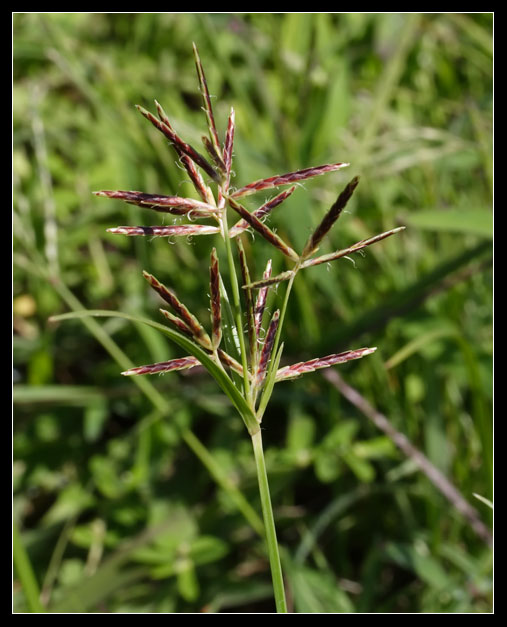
(25, 572)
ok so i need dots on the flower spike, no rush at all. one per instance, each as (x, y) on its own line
(260, 302)
(266, 232)
(207, 103)
(262, 211)
(330, 218)
(216, 313)
(163, 204)
(287, 179)
(166, 231)
(267, 348)
(180, 144)
(228, 145)
(296, 370)
(195, 176)
(189, 319)
(351, 249)
(164, 366)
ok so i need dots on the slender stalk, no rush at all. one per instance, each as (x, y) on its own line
(236, 303)
(269, 525)
(264, 400)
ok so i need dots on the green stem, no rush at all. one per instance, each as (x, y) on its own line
(269, 524)
(237, 305)
(272, 363)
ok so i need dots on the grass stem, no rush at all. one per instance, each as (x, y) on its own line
(269, 524)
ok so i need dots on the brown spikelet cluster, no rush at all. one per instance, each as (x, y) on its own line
(286, 179)
(329, 219)
(267, 348)
(164, 366)
(216, 312)
(296, 370)
(253, 362)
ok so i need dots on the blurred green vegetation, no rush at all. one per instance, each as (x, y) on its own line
(135, 498)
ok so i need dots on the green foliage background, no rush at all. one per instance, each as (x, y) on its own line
(127, 497)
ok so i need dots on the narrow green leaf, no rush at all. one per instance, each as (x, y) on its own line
(25, 572)
(473, 221)
(215, 371)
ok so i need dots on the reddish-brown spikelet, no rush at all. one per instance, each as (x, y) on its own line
(177, 322)
(164, 366)
(175, 205)
(181, 145)
(194, 174)
(260, 302)
(189, 319)
(165, 231)
(262, 211)
(216, 312)
(351, 249)
(230, 362)
(267, 348)
(213, 154)
(330, 218)
(207, 103)
(287, 179)
(296, 370)
(263, 230)
(228, 145)
(245, 274)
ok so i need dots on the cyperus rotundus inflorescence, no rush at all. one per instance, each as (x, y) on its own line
(246, 364)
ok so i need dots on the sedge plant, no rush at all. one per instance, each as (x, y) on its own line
(244, 363)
